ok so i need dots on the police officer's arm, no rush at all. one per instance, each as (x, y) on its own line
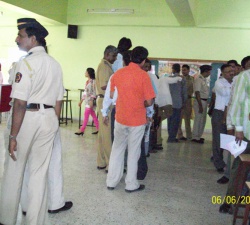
(198, 98)
(58, 108)
(19, 110)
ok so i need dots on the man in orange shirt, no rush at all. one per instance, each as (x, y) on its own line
(135, 93)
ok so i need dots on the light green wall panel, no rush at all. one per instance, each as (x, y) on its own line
(147, 13)
(52, 9)
(87, 51)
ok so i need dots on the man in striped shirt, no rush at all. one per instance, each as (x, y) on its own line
(239, 114)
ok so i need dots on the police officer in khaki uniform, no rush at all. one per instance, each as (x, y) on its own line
(37, 95)
(186, 111)
(103, 73)
(201, 91)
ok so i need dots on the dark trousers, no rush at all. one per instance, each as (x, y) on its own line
(218, 127)
(173, 124)
(142, 163)
(232, 188)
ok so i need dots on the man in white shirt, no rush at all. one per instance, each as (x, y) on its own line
(222, 90)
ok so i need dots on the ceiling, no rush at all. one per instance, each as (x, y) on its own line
(230, 14)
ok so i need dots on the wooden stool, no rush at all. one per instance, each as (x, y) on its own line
(242, 172)
(66, 104)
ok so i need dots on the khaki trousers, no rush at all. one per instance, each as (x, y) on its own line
(164, 112)
(104, 138)
(186, 113)
(55, 179)
(34, 143)
(199, 120)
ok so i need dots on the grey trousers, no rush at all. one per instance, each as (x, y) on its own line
(218, 127)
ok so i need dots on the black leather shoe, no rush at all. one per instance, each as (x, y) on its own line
(148, 155)
(24, 213)
(101, 168)
(173, 141)
(158, 147)
(183, 139)
(110, 188)
(67, 206)
(79, 133)
(223, 180)
(226, 208)
(140, 188)
(95, 132)
(198, 141)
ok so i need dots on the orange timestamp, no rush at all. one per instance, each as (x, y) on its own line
(230, 199)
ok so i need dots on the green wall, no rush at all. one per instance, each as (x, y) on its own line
(86, 51)
(53, 9)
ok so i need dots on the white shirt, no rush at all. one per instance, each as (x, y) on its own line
(164, 97)
(38, 79)
(107, 101)
(118, 64)
(222, 90)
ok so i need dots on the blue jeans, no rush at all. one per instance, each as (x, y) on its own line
(173, 124)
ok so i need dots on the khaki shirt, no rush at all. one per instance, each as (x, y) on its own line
(200, 85)
(190, 85)
(103, 73)
(38, 79)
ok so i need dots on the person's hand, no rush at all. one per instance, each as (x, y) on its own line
(12, 148)
(200, 109)
(105, 120)
(79, 104)
(239, 136)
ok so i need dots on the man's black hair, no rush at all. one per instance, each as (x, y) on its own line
(139, 54)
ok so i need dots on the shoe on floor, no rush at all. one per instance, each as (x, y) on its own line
(96, 132)
(223, 180)
(183, 139)
(148, 155)
(173, 141)
(24, 213)
(140, 188)
(66, 206)
(110, 188)
(101, 168)
(226, 208)
(198, 141)
(158, 147)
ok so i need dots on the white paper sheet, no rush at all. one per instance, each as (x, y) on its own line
(228, 142)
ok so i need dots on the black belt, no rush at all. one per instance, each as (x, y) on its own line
(204, 99)
(100, 95)
(37, 106)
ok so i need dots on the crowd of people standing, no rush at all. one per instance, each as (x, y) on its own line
(131, 103)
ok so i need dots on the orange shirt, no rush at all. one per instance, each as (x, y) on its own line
(134, 87)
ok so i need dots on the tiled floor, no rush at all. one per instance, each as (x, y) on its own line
(179, 186)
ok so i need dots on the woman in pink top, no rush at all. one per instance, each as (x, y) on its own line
(89, 96)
